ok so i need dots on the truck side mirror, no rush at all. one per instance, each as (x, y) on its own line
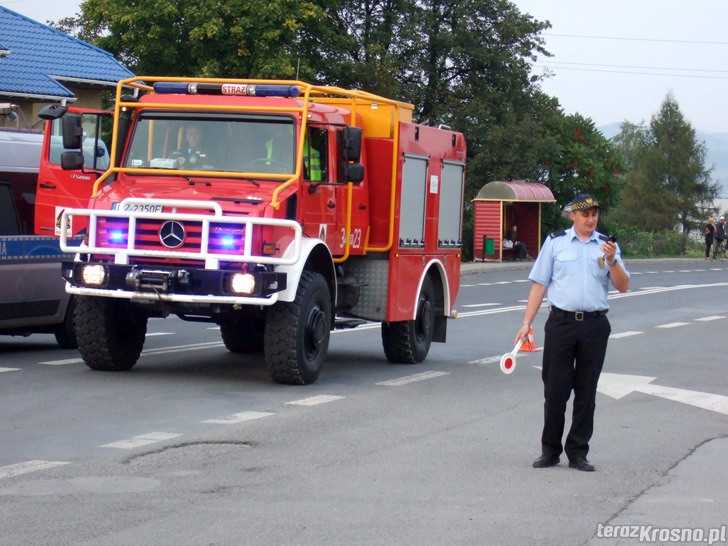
(72, 131)
(350, 143)
(352, 172)
(72, 161)
(349, 140)
(52, 111)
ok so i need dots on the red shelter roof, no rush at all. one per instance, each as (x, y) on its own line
(515, 190)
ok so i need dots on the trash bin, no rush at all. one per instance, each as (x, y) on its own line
(488, 246)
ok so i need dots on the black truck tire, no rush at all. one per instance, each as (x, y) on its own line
(408, 341)
(297, 333)
(110, 333)
(243, 330)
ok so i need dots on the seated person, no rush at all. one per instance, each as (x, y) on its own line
(193, 154)
(520, 251)
(312, 166)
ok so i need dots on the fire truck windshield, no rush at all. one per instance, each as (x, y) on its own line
(228, 143)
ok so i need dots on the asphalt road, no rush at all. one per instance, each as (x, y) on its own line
(197, 446)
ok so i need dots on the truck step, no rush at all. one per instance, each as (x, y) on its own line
(342, 324)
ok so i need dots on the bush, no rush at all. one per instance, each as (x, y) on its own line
(644, 244)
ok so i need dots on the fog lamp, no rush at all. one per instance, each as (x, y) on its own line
(93, 274)
(242, 283)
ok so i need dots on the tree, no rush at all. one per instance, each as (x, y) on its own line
(668, 185)
(580, 160)
(236, 38)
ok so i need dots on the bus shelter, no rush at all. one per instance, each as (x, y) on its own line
(497, 207)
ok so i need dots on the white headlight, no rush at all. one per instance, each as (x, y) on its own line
(242, 283)
(93, 274)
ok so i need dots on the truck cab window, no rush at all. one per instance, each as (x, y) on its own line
(228, 144)
(96, 141)
(315, 155)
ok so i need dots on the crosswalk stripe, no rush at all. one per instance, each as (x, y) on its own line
(142, 440)
(12, 470)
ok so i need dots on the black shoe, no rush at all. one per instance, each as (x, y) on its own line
(544, 461)
(580, 463)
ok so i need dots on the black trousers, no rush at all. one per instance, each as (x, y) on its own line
(573, 356)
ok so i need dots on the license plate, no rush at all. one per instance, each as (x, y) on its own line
(142, 207)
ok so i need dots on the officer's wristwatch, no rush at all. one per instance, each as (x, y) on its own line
(614, 261)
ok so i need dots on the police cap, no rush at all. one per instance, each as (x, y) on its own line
(583, 201)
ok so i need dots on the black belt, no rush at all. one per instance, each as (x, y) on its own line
(578, 315)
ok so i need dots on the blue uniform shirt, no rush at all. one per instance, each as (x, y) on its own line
(569, 268)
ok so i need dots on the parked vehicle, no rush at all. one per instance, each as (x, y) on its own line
(32, 294)
(34, 191)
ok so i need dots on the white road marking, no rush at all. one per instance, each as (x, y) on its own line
(178, 348)
(142, 440)
(315, 400)
(64, 362)
(9, 369)
(625, 334)
(620, 385)
(707, 319)
(495, 359)
(12, 470)
(672, 325)
(480, 305)
(159, 351)
(241, 417)
(412, 379)
(486, 360)
(152, 334)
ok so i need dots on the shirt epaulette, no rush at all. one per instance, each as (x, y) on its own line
(555, 234)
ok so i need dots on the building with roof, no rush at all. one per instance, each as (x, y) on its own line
(41, 65)
(501, 204)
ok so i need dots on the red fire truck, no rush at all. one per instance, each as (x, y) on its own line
(279, 210)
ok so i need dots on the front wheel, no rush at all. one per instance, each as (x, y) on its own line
(297, 333)
(110, 333)
(408, 341)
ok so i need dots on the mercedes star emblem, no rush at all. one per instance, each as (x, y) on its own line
(172, 234)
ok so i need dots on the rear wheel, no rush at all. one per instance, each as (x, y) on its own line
(64, 332)
(297, 333)
(408, 341)
(242, 330)
(110, 333)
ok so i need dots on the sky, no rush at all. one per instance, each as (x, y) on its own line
(613, 60)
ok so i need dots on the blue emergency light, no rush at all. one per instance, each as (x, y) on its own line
(231, 89)
(116, 235)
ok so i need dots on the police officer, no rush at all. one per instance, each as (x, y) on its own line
(573, 269)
